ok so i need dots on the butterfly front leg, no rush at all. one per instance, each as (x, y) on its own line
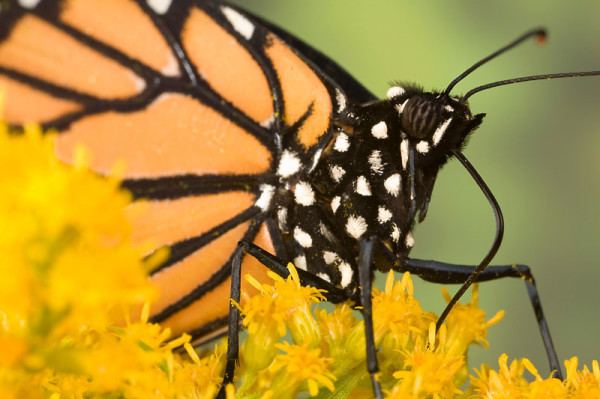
(447, 273)
(365, 278)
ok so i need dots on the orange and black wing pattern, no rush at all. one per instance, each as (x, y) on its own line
(196, 98)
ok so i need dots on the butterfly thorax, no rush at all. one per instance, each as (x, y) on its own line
(374, 176)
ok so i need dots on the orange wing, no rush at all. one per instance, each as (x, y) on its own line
(192, 97)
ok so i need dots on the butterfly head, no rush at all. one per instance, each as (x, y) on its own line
(435, 123)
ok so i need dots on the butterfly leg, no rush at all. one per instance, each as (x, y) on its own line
(365, 278)
(447, 273)
(278, 266)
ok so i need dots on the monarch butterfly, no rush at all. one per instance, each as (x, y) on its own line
(284, 111)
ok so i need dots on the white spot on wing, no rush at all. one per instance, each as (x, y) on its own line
(439, 132)
(341, 100)
(240, 23)
(159, 6)
(288, 164)
(341, 143)
(336, 172)
(423, 147)
(324, 277)
(335, 203)
(346, 272)
(304, 194)
(394, 91)
(362, 186)
(356, 226)
(392, 184)
(266, 195)
(139, 83)
(267, 123)
(380, 130)
(375, 162)
(404, 152)
(302, 237)
(383, 214)
(300, 262)
(172, 68)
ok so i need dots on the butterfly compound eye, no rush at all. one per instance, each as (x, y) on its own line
(420, 116)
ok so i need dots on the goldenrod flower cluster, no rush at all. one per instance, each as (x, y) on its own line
(69, 279)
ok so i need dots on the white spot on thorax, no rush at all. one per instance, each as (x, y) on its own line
(300, 262)
(341, 143)
(392, 184)
(302, 237)
(304, 194)
(449, 108)
(400, 107)
(159, 6)
(394, 91)
(375, 162)
(362, 186)
(395, 233)
(289, 164)
(324, 277)
(380, 130)
(336, 172)
(335, 203)
(240, 23)
(347, 273)
(410, 241)
(423, 147)
(383, 214)
(356, 226)
(404, 152)
(266, 196)
(439, 132)
(341, 100)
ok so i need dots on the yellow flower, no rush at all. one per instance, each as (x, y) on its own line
(397, 319)
(297, 365)
(294, 302)
(584, 383)
(505, 383)
(466, 323)
(429, 369)
(286, 303)
(68, 243)
(202, 378)
(334, 327)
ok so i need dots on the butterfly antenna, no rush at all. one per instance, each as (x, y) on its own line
(538, 33)
(529, 78)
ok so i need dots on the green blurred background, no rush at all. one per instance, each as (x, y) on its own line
(537, 149)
